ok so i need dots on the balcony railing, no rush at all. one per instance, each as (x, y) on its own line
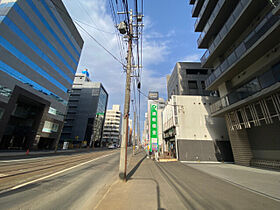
(195, 5)
(226, 28)
(202, 10)
(251, 39)
(275, 3)
(259, 83)
(210, 21)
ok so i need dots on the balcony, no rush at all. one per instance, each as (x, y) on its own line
(216, 21)
(192, 1)
(196, 7)
(266, 80)
(204, 14)
(258, 42)
(241, 17)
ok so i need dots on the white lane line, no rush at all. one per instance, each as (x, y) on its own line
(210, 162)
(56, 173)
(22, 160)
(30, 159)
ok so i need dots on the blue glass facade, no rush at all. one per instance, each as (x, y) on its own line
(76, 49)
(53, 73)
(39, 52)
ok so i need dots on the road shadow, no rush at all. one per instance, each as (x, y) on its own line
(134, 169)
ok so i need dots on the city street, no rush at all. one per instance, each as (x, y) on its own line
(174, 185)
(89, 180)
(57, 182)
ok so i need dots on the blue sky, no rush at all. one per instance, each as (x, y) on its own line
(168, 38)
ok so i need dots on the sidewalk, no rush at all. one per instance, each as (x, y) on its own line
(145, 189)
(174, 185)
(263, 181)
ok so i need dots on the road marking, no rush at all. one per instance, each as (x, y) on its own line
(19, 160)
(56, 173)
(210, 162)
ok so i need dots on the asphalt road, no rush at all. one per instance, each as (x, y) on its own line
(77, 187)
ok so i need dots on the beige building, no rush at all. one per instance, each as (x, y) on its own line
(191, 134)
(112, 126)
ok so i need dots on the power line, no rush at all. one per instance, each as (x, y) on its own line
(99, 43)
(114, 17)
(93, 26)
(97, 28)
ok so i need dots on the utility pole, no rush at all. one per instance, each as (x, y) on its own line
(123, 153)
(134, 131)
(138, 132)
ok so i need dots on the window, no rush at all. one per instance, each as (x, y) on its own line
(192, 84)
(1, 113)
(4, 91)
(74, 94)
(203, 85)
(71, 112)
(50, 127)
(197, 71)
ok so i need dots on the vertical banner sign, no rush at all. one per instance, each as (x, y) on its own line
(153, 128)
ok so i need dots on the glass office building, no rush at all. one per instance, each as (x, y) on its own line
(40, 49)
(86, 112)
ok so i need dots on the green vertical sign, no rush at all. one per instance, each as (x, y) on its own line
(153, 128)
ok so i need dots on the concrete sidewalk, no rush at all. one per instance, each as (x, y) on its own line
(262, 181)
(144, 189)
(174, 185)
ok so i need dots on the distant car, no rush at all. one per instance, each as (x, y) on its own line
(112, 146)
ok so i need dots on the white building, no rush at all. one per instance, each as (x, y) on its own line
(191, 133)
(112, 126)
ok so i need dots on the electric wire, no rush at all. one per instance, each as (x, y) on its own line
(99, 43)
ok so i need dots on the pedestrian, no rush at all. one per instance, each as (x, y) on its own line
(156, 155)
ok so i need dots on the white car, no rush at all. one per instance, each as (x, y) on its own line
(112, 146)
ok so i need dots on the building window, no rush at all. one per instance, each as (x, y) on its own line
(50, 127)
(203, 85)
(75, 94)
(1, 113)
(192, 84)
(197, 71)
(53, 111)
(4, 91)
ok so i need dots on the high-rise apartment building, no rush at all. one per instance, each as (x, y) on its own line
(112, 126)
(86, 112)
(39, 52)
(243, 47)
